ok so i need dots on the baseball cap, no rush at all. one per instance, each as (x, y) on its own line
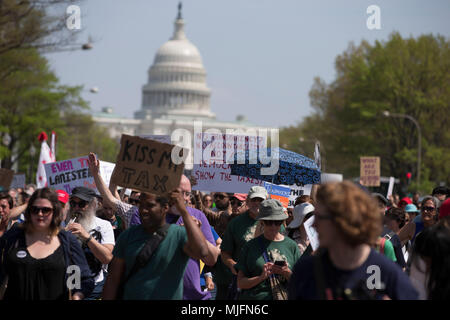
(240, 196)
(411, 208)
(83, 193)
(62, 196)
(271, 209)
(300, 211)
(406, 200)
(258, 192)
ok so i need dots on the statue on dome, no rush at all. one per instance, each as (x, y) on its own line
(179, 10)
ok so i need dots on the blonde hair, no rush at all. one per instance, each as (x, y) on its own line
(355, 213)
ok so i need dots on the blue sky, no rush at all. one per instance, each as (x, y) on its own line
(261, 56)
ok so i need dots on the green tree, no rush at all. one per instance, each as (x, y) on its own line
(405, 76)
(32, 101)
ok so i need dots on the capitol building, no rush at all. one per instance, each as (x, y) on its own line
(175, 95)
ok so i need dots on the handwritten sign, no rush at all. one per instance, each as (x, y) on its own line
(71, 173)
(370, 171)
(6, 177)
(146, 165)
(213, 170)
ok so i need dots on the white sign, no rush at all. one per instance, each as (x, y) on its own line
(331, 177)
(312, 233)
(217, 177)
(391, 187)
(297, 191)
(68, 174)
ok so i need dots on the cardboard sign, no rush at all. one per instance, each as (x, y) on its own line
(212, 171)
(146, 165)
(370, 171)
(71, 173)
(6, 177)
(18, 181)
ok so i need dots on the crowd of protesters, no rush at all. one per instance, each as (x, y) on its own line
(191, 245)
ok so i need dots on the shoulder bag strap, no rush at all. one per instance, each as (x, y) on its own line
(147, 251)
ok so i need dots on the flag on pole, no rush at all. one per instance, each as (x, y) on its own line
(53, 147)
(45, 157)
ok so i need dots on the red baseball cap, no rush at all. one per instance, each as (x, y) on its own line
(406, 200)
(240, 196)
(62, 196)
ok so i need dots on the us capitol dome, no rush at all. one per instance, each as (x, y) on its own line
(175, 95)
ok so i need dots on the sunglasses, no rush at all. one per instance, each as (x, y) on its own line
(429, 209)
(219, 196)
(233, 202)
(273, 222)
(45, 210)
(79, 204)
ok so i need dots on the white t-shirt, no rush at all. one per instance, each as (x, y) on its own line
(106, 230)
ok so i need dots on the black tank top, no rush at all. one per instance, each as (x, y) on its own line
(35, 279)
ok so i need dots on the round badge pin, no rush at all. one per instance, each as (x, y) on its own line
(21, 254)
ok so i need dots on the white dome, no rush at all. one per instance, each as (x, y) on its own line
(177, 80)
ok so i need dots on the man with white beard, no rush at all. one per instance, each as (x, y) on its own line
(96, 235)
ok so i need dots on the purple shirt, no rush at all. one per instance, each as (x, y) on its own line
(191, 280)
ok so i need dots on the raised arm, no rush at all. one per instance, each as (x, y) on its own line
(94, 167)
(196, 246)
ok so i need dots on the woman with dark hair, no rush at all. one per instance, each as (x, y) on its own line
(38, 257)
(428, 217)
(431, 262)
(345, 266)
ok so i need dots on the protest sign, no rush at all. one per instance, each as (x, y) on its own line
(297, 191)
(312, 233)
(213, 170)
(391, 187)
(370, 171)
(6, 177)
(281, 193)
(331, 177)
(71, 173)
(146, 165)
(18, 181)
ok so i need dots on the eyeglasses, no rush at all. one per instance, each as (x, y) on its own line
(79, 204)
(45, 210)
(429, 209)
(273, 222)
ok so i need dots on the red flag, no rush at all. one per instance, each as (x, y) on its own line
(45, 157)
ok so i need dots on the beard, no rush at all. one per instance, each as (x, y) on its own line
(85, 218)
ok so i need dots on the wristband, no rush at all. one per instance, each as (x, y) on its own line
(89, 239)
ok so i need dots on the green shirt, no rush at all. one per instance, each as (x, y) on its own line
(162, 276)
(389, 251)
(251, 262)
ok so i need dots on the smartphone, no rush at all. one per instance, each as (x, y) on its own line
(280, 263)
